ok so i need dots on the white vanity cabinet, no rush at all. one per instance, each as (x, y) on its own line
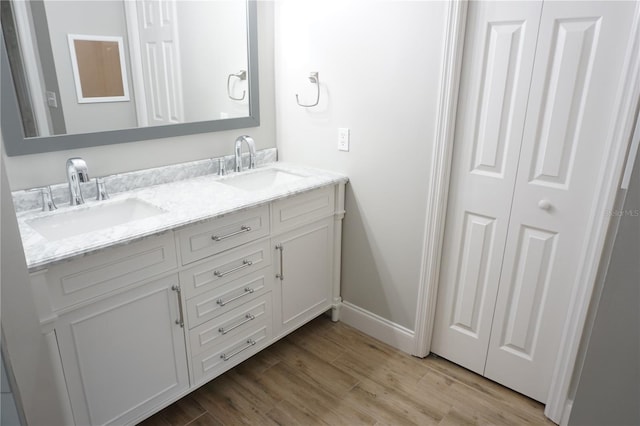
(116, 319)
(123, 355)
(140, 325)
(227, 294)
(302, 236)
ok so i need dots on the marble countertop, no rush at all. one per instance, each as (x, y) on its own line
(184, 203)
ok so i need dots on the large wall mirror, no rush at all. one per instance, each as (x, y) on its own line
(79, 73)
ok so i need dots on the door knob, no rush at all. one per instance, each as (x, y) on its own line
(544, 204)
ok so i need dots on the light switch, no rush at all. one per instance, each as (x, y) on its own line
(52, 99)
(343, 139)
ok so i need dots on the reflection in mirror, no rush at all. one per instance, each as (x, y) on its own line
(99, 69)
(182, 61)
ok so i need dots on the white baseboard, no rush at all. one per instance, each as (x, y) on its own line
(377, 327)
(564, 421)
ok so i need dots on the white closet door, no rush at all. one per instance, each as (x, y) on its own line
(498, 61)
(570, 114)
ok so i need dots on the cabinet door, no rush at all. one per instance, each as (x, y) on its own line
(124, 355)
(304, 269)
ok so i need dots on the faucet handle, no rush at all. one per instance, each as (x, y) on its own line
(47, 198)
(101, 189)
(222, 166)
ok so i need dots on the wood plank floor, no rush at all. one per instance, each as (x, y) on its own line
(329, 373)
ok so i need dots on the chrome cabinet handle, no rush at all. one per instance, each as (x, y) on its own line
(280, 275)
(245, 264)
(247, 317)
(250, 342)
(178, 291)
(247, 290)
(243, 228)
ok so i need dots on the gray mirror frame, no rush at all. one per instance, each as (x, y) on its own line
(16, 144)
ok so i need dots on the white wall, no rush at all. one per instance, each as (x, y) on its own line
(28, 171)
(213, 40)
(608, 389)
(26, 348)
(379, 64)
(88, 18)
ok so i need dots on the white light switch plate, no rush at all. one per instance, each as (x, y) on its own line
(52, 99)
(343, 139)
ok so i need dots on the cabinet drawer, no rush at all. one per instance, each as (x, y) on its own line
(200, 241)
(212, 363)
(249, 316)
(223, 299)
(101, 273)
(225, 268)
(301, 209)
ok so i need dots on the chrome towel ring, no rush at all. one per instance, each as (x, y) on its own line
(241, 75)
(314, 79)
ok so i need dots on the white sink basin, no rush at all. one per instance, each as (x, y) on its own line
(84, 219)
(259, 180)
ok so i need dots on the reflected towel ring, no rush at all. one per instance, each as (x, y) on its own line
(242, 75)
(314, 79)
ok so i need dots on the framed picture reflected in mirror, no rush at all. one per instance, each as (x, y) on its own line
(98, 68)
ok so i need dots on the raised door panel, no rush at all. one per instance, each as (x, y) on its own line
(568, 131)
(304, 264)
(497, 65)
(125, 355)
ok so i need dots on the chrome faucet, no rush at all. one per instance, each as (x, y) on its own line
(252, 152)
(76, 173)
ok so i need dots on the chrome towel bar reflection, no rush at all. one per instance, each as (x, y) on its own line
(241, 75)
(314, 79)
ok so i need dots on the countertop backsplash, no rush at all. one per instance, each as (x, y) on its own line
(31, 199)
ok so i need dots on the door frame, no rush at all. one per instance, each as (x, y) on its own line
(558, 403)
(31, 68)
(135, 61)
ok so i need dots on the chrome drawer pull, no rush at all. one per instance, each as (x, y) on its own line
(247, 290)
(247, 317)
(245, 264)
(243, 228)
(226, 357)
(178, 290)
(280, 275)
